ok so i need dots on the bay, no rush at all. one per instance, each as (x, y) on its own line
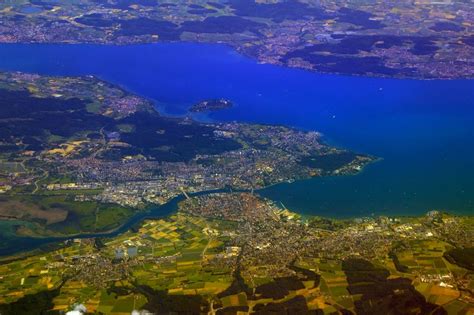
(422, 130)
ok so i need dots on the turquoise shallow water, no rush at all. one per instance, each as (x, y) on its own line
(423, 130)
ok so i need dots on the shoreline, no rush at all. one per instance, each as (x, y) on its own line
(154, 104)
(242, 54)
(149, 212)
(141, 217)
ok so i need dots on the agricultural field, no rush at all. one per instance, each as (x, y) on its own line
(174, 259)
(434, 276)
(206, 260)
(349, 37)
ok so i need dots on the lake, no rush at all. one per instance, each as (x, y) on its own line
(422, 130)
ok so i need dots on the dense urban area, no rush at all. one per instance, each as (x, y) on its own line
(225, 253)
(108, 206)
(113, 153)
(223, 249)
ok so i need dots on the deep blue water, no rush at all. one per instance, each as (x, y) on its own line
(423, 130)
(31, 9)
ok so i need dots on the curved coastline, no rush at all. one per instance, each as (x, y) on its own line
(417, 157)
(24, 244)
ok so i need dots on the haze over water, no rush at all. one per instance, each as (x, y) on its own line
(423, 130)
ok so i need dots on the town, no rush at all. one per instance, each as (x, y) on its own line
(97, 170)
(216, 239)
(356, 38)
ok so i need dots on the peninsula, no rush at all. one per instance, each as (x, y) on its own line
(211, 105)
(80, 155)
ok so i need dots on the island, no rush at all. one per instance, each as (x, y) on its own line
(211, 105)
(107, 206)
(80, 155)
(81, 158)
(83, 162)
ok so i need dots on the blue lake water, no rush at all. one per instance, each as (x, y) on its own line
(423, 130)
(29, 9)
